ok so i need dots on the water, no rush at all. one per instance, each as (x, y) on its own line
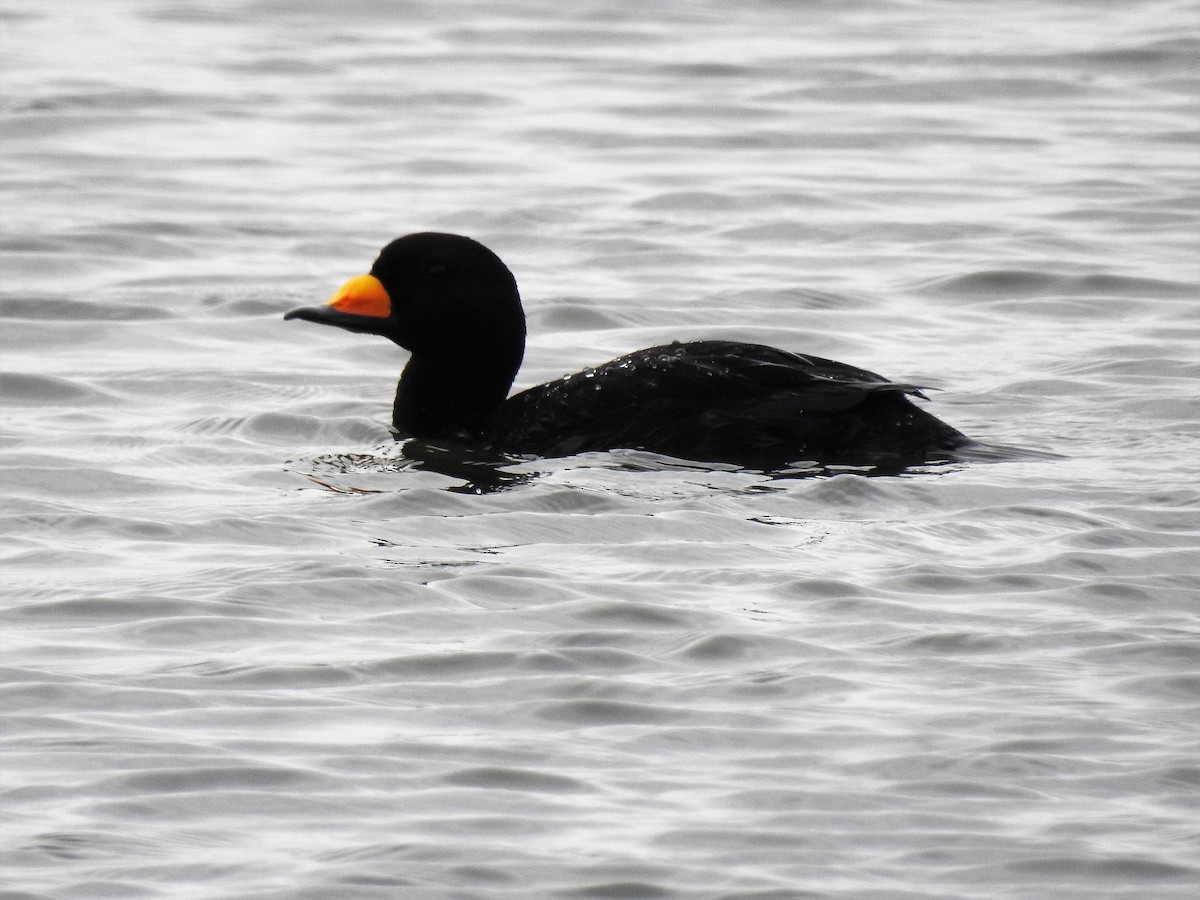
(251, 652)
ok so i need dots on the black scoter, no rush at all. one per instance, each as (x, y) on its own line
(454, 305)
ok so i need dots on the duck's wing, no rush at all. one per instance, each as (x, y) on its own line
(717, 401)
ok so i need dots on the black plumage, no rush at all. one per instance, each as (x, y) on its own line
(454, 305)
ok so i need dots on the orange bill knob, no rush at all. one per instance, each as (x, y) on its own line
(363, 295)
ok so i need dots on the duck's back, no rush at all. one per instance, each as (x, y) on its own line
(724, 401)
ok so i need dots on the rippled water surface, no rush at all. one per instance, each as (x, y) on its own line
(251, 650)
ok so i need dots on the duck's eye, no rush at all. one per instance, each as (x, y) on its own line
(437, 272)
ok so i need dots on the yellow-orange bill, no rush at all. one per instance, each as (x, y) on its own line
(362, 295)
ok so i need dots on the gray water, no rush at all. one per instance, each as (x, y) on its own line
(251, 651)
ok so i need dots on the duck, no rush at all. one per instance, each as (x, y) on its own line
(454, 306)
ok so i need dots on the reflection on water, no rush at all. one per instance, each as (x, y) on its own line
(479, 471)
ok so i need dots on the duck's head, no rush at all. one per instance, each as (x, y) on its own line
(433, 294)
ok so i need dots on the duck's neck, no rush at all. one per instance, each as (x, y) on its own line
(441, 397)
